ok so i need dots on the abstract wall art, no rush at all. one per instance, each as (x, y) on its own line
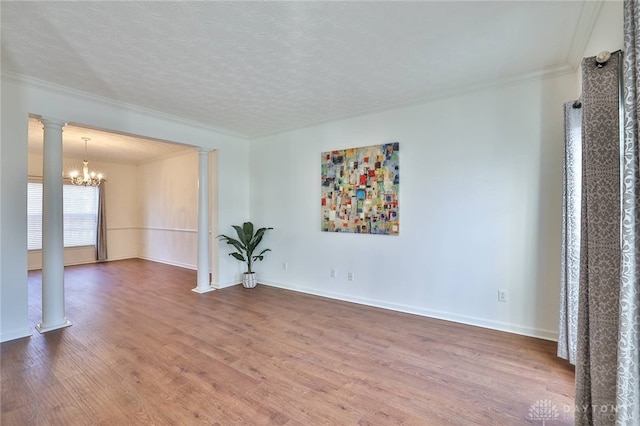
(359, 191)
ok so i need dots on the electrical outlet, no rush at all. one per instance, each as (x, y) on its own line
(334, 273)
(502, 295)
(284, 265)
(350, 276)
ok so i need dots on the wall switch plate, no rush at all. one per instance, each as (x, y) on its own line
(350, 276)
(334, 273)
(284, 265)
(502, 295)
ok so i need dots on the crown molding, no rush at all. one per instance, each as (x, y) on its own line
(189, 150)
(588, 16)
(67, 91)
(536, 75)
(556, 71)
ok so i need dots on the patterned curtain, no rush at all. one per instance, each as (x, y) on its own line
(628, 368)
(596, 361)
(101, 234)
(571, 192)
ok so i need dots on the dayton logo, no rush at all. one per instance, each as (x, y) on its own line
(543, 410)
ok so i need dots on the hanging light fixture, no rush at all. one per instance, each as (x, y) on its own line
(86, 178)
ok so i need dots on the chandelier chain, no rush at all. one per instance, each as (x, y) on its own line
(86, 178)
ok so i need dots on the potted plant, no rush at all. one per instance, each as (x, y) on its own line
(245, 245)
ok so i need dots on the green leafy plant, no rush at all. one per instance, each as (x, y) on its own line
(246, 244)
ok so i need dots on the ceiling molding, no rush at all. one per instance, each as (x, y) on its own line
(588, 16)
(153, 159)
(79, 94)
(106, 146)
(537, 75)
(541, 74)
(185, 151)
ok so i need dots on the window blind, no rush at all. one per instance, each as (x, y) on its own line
(80, 214)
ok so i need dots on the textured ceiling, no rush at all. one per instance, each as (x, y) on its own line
(254, 68)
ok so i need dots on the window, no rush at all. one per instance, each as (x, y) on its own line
(80, 207)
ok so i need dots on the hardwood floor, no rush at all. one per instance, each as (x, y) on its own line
(145, 350)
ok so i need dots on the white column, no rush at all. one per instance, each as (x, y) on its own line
(204, 285)
(53, 315)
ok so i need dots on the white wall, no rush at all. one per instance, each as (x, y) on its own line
(480, 205)
(13, 217)
(122, 206)
(123, 209)
(169, 214)
(608, 31)
(20, 97)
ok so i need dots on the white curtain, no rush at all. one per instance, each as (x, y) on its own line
(570, 263)
(571, 191)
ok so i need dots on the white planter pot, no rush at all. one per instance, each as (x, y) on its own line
(249, 280)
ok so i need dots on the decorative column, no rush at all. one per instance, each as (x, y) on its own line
(53, 315)
(204, 285)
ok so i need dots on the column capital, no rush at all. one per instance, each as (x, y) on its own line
(53, 122)
(203, 151)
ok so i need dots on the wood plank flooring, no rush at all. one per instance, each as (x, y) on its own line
(145, 350)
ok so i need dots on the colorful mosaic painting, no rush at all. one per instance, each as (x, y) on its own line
(360, 190)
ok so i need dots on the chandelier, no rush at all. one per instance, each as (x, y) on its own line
(86, 178)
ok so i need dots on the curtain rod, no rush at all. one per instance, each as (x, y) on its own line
(601, 60)
(578, 102)
(36, 177)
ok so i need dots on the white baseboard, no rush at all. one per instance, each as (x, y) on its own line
(447, 316)
(225, 285)
(83, 262)
(113, 259)
(214, 284)
(87, 262)
(169, 262)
